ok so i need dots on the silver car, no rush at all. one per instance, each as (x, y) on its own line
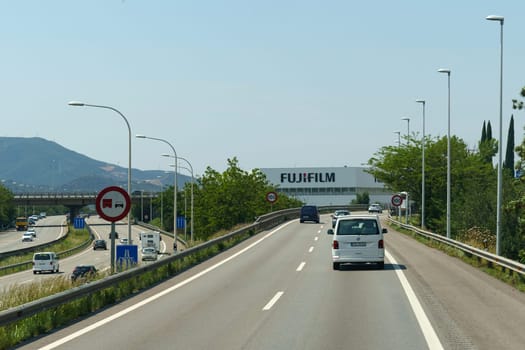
(149, 253)
(337, 214)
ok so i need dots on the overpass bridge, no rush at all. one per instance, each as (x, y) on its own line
(73, 201)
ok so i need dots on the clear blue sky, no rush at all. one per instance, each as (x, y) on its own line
(274, 83)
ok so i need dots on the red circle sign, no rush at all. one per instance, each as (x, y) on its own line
(271, 197)
(396, 200)
(113, 203)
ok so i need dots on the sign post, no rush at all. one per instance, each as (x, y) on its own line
(113, 204)
(272, 198)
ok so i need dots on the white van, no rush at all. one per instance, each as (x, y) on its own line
(45, 261)
(358, 239)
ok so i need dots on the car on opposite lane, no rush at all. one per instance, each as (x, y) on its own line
(149, 253)
(27, 237)
(99, 244)
(83, 271)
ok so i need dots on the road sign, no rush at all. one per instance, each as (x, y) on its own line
(78, 223)
(271, 197)
(113, 203)
(127, 256)
(396, 200)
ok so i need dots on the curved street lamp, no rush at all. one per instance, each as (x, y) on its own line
(500, 19)
(192, 180)
(82, 104)
(174, 187)
(447, 72)
(408, 127)
(423, 168)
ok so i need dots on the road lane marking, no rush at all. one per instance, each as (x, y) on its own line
(158, 295)
(301, 266)
(316, 238)
(311, 249)
(426, 327)
(273, 301)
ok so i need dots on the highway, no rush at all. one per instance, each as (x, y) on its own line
(277, 290)
(99, 258)
(12, 239)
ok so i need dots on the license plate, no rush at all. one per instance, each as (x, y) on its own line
(358, 244)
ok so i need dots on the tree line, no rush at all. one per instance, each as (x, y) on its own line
(473, 186)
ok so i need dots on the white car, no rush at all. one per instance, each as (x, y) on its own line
(45, 262)
(31, 231)
(337, 214)
(124, 241)
(149, 253)
(375, 208)
(358, 239)
(27, 237)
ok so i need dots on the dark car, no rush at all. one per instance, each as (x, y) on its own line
(83, 271)
(309, 213)
(99, 244)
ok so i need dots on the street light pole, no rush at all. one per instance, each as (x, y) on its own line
(408, 128)
(423, 168)
(192, 181)
(500, 19)
(82, 104)
(398, 138)
(174, 187)
(447, 71)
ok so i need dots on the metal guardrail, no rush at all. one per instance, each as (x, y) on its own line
(493, 258)
(264, 222)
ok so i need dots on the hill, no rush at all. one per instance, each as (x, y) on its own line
(38, 165)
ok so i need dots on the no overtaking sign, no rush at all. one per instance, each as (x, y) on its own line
(113, 203)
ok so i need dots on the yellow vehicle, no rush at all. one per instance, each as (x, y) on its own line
(21, 223)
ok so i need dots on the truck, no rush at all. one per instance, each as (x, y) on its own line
(151, 239)
(21, 223)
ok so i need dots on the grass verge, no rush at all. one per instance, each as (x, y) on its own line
(510, 277)
(44, 322)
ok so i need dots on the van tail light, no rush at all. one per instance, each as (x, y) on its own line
(335, 245)
(380, 244)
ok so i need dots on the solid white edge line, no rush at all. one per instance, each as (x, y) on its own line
(301, 266)
(273, 301)
(158, 295)
(428, 331)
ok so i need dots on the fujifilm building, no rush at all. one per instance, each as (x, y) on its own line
(327, 186)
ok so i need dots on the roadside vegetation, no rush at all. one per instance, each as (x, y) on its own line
(476, 239)
(473, 191)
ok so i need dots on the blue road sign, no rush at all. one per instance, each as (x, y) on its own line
(181, 221)
(78, 223)
(127, 256)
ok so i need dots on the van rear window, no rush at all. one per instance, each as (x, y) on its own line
(42, 257)
(357, 227)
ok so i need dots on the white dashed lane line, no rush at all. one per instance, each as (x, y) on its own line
(301, 266)
(273, 301)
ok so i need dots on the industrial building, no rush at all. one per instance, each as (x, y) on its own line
(327, 186)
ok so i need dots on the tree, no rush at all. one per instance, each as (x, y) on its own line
(487, 145)
(472, 182)
(7, 210)
(508, 164)
(224, 200)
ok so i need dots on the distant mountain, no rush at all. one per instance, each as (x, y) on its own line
(38, 165)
